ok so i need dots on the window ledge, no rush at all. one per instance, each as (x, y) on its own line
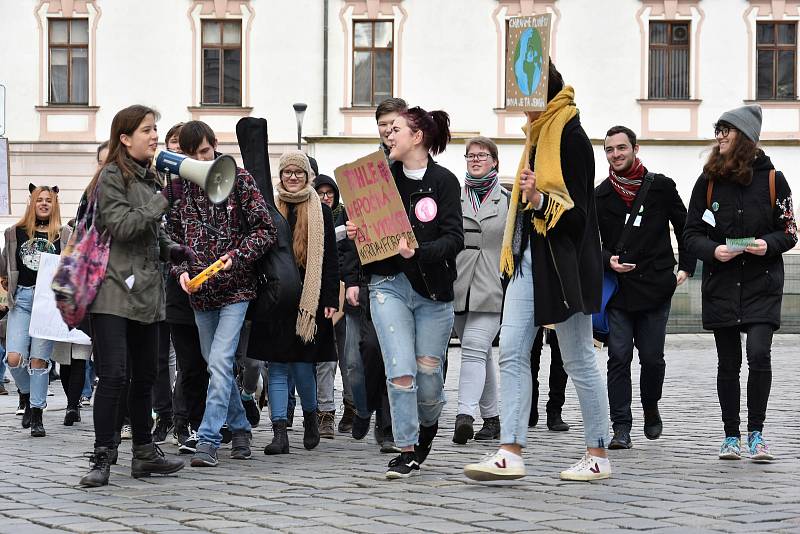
(668, 102)
(359, 110)
(82, 108)
(788, 103)
(219, 108)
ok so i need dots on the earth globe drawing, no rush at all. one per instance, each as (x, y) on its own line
(528, 61)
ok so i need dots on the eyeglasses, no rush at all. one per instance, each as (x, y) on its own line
(286, 173)
(723, 129)
(325, 194)
(480, 156)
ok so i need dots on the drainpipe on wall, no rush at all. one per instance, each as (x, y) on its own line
(325, 69)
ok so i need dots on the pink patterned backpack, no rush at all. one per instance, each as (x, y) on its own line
(83, 265)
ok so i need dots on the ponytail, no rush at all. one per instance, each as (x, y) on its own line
(435, 127)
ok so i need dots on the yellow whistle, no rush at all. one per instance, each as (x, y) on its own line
(207, 273)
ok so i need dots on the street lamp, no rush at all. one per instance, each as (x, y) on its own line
(299, 112)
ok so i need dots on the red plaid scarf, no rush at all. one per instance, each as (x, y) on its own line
(627, 186)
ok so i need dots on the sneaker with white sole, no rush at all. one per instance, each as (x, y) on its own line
(731, 449)
(190, 445)
(590, 467)
(759, 450)
(500, 465)
(403, 466)
(127, 432)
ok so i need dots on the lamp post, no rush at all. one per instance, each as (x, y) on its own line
(299, 112)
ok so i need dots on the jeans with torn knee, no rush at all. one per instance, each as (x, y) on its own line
(413, 332)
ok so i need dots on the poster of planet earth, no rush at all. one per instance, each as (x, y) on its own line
(527, 61)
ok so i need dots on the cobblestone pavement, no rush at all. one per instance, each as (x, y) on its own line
(674, 484)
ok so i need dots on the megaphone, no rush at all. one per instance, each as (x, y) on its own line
(216, 178)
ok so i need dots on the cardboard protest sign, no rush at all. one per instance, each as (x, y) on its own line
(374, 206)
(527, 62)
(46, 321)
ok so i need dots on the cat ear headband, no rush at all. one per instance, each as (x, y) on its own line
(32, 187)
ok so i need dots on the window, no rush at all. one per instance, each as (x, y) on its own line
(372, 61)
(776, 46)
(69, 61)
(669, 61)
(222, 62)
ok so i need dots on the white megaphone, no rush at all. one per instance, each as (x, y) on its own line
(216, 178)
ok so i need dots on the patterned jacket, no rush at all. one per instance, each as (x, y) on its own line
(214, 230)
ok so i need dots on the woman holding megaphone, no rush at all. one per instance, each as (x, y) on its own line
(130, 300)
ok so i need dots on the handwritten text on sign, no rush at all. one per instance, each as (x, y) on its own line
(374, 206)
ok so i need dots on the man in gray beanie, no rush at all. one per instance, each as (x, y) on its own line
(746, 119)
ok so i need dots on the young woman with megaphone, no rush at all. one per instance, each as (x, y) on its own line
(130, 300)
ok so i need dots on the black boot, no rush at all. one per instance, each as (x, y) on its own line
(72, 416)
(148, 459)
(280, 441)
(652, 423)
(463, 431)
(311, 432)
(555, 423)
(490, 429)
(25, 402)
(346, 422)
(98, 473)
(425, 441)
(37, 427)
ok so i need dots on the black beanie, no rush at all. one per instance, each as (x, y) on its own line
(324, 179)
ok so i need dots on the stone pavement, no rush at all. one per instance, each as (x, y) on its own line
(674, 484)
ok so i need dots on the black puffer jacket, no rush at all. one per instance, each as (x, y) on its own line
(747, 289)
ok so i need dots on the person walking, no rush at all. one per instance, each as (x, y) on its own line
(130, 300)
(479, 290)
(552, 252)
(740, 222)
(411, 293)
(29, 358)
(638, 250)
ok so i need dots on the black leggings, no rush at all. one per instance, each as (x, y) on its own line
(121, 345)
(72, 379)
(192, 383)
(759, 378)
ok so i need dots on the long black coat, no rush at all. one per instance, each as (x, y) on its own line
(648, 245)
(261, 344)
(747, 289)
(567, 266)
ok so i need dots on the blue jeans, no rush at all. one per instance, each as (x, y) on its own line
(413, 331)
(280, 376)
(88, 381)
(354, 363)
(27, 378)
(577, 350)
(219, 336)
(2, 362)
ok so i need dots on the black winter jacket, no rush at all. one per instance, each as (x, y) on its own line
(567, 266)
(432, 269)
(747, 289)
(648, 245)
(323, 348)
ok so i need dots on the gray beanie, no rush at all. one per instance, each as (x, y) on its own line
(746, 119)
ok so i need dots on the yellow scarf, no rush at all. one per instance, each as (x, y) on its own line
(545, 134)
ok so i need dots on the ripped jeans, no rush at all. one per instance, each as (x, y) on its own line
(28, 379)
(413, 332)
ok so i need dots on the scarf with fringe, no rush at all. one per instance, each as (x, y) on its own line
(544, 134)
(308, 205)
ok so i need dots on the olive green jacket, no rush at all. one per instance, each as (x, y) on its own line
(131, 212)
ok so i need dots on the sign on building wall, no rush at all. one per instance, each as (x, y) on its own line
(5, 171)
(374, 206)
(527, 62)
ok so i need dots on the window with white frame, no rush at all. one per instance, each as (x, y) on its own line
(222, 62)
(68, 53)
(373, 60)
(776, 46)
(669, 60)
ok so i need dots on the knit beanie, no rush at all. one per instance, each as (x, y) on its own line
(746, 119)
(295, 157)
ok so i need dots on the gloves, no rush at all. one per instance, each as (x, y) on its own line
(180, 254)
(173, 190)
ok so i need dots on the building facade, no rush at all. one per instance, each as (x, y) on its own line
(666, 68)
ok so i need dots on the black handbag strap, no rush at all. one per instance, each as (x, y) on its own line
(637, 205)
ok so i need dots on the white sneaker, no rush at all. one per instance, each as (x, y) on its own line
(500, 465)
(127, 432)
(589, 467)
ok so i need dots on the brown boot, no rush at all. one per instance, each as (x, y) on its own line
(326, 424)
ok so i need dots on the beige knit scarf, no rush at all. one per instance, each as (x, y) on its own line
(307, 204)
